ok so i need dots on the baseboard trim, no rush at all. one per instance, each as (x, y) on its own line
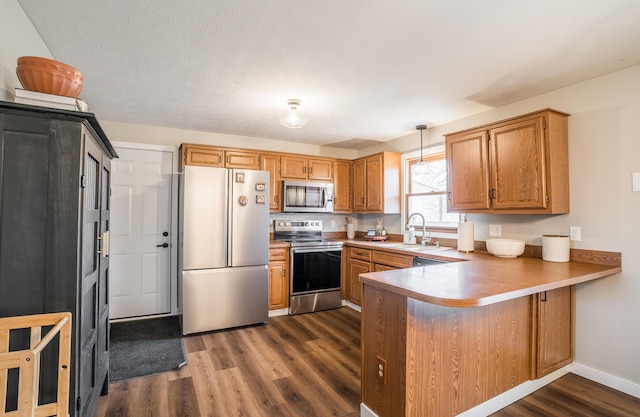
(278, 312)
(609, 380)
(351, 305)
(501, 401)
(366, 411)
(514, 394)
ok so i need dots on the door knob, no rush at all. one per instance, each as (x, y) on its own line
(164, 245)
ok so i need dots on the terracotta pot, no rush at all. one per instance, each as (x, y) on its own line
(48, 76)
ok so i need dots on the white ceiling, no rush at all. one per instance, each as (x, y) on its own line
(364, 69)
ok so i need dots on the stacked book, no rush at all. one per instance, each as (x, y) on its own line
(50, 100)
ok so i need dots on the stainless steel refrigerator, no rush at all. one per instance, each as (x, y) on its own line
(225, 248)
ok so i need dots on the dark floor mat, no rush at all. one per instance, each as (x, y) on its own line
(145, 347)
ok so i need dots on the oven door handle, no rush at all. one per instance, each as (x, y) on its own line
(311, 250)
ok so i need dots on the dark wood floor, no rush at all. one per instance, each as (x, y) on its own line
(307, 365)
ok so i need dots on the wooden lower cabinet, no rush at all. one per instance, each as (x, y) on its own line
(355, 267)
(361, 261)
(278, 278)
(358, 262)
(554, 330)
(441, 361)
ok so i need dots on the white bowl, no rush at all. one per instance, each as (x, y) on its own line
(505, 248)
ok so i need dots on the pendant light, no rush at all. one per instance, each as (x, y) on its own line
(294, 118)
(421, 167)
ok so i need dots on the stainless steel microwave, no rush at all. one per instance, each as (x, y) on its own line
(308, 197)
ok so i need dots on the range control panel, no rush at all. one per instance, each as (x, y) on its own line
(297, 226)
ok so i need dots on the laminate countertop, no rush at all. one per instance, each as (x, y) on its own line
(478, 278)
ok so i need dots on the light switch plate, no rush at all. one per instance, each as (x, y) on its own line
(635, 180)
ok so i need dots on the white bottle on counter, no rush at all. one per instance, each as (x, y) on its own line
(410, 238)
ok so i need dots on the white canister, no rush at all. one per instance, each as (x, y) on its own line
(555, 248)
(351, 230)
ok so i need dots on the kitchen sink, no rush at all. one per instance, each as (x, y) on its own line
(413, 248)
(427, 248)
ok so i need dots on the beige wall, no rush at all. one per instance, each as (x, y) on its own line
(17, 38)
(604, 140)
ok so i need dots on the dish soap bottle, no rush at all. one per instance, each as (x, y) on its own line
(411, 239)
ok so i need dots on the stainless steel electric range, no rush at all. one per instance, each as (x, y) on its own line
(315, 272)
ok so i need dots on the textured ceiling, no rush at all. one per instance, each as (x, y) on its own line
(365, 70)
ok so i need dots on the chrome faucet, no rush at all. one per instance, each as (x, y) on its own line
(425, 239)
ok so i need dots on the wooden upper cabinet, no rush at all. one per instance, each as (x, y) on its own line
(520, 165)
(208, 156)
(204, 156)
(342, 187)
(293, 167)
(376, 183)
(468, 173)
(299, 168)
(240, 159)
(320, 169)
(271, 163)
(359, 185)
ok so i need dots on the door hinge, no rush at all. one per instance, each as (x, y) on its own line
(544, 124)
(78, 403)
(83, 181)
(546, 198)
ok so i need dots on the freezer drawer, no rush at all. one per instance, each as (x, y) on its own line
(215, 299)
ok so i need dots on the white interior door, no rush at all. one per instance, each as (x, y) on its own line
(141, 233)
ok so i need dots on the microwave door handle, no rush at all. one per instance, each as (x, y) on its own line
(324, 198)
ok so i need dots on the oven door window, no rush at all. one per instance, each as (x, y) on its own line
(316, 271)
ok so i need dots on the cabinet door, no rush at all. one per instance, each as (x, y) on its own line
(320, 169)
(201, 156)
(374, 183)
(555, 333)
(278, 285)
(379, 268)
(271, 163)
(93, 262)
(292, 167)
(517, 165)
(468, 171)
(354, 287)
(359, 185)
(238, 159)
(342, 187)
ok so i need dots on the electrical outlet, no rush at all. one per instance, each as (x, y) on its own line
(574, 233)
(495, 230)
(333, 224)
(381, 369)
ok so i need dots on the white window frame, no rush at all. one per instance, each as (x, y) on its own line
(445, 228)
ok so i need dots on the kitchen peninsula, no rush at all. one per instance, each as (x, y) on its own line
(439, 340)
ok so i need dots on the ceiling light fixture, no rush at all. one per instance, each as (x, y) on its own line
(294, 118)
(421, 167)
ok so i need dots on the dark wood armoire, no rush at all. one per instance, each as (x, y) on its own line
(54, 227)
